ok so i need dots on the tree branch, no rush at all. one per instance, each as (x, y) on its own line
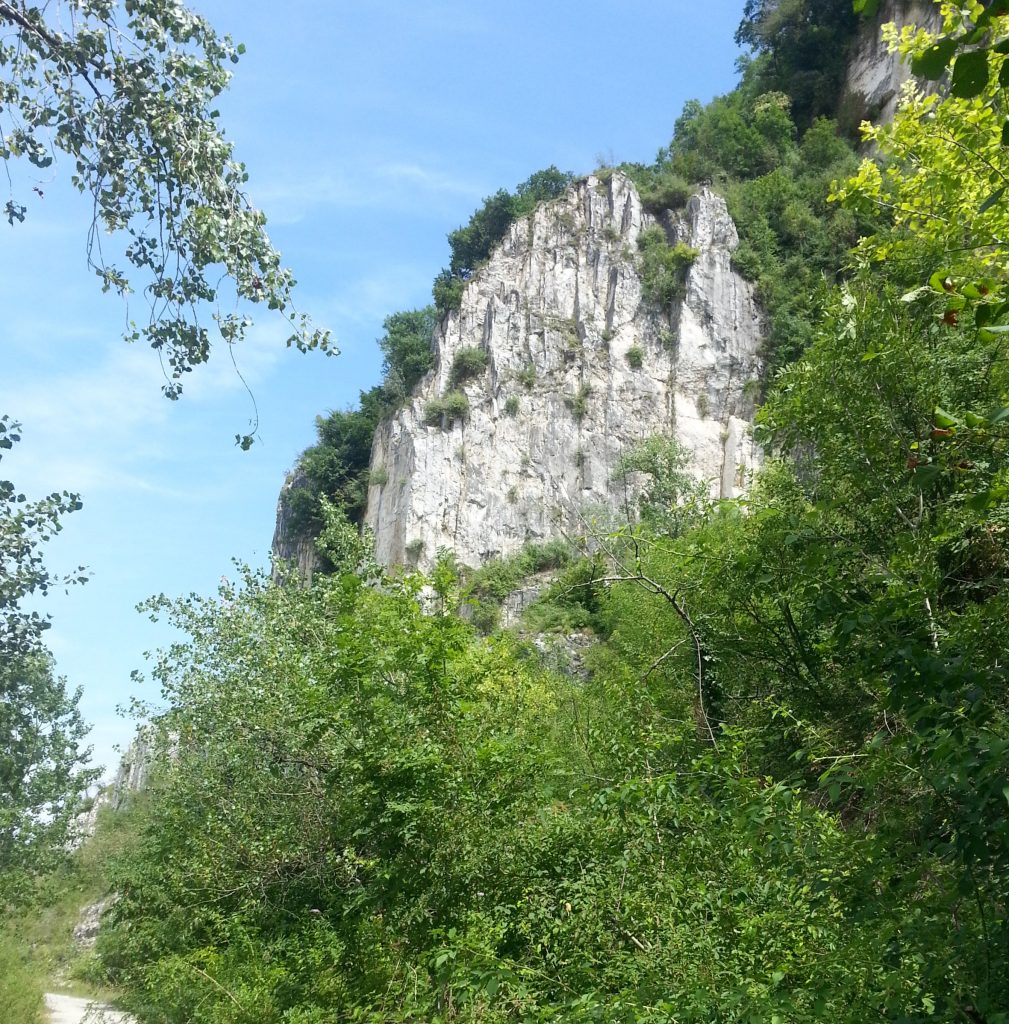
(19, 17)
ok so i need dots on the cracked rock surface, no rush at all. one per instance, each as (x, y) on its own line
(580, 368)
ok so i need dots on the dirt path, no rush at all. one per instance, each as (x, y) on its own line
(71, 1010)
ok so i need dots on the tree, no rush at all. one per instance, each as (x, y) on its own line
(472, 244)
(43, 772)
(24, 527)
(803, 47)
(42, 762)
(126, 91)
(408, 347)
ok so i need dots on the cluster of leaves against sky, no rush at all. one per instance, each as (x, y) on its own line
(127, 91)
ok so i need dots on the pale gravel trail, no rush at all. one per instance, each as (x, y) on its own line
(71, 1010)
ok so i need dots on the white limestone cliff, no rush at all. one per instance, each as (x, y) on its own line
(875, 76)
(557, 309)
(292, 546)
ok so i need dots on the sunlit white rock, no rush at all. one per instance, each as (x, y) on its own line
(557, 309)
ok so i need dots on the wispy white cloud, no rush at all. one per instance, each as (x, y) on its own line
(97, 421)
(385, 185)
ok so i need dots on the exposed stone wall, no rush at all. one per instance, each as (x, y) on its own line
(292, 546)
(875, 76)
(558, 310)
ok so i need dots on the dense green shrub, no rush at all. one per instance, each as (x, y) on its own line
(441, 412)
(498, 578)
(408, 347)
(20, 986)
(664, 190)
(670, 498)
(467, 363)
(663, 268)
(473, 243)
(447, 292)
(373, 814)
(635, 357)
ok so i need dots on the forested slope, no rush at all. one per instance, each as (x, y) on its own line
(779, 791)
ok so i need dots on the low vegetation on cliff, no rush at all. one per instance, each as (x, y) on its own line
(777, 789)
(774, 788)
(773, 154)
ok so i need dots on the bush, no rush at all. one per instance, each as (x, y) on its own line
(635, 356)
(20, 989)
(527, 375)
(408, 349)
(578, 403)
(573, 601)
(441, 412)
(447, 292)
(468, 362)
(511, 407)
(663, 268)
(495, 580)
(660, 189)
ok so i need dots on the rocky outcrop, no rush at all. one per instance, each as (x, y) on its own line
(89, 924)
(580, 367)
(131, 777)
(875, 76)
(292, 546)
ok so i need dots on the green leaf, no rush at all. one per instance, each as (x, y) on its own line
(1005, 134)
(942, 281)
(926, 475)
(944, 419)
(1000, 192)
(992, 10)
(981, 289)
(978, 502)
(867, 8)
(970, 74)
(933, 62)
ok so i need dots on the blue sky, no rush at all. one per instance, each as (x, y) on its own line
(370, 130)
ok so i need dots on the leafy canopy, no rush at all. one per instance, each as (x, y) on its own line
(42, 761)
(126, 92)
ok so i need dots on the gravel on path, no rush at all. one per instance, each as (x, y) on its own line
(71, 1010)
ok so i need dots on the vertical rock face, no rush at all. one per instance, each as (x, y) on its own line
(292, 546)
(579, 369)
(875, 76)
(131, 777)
